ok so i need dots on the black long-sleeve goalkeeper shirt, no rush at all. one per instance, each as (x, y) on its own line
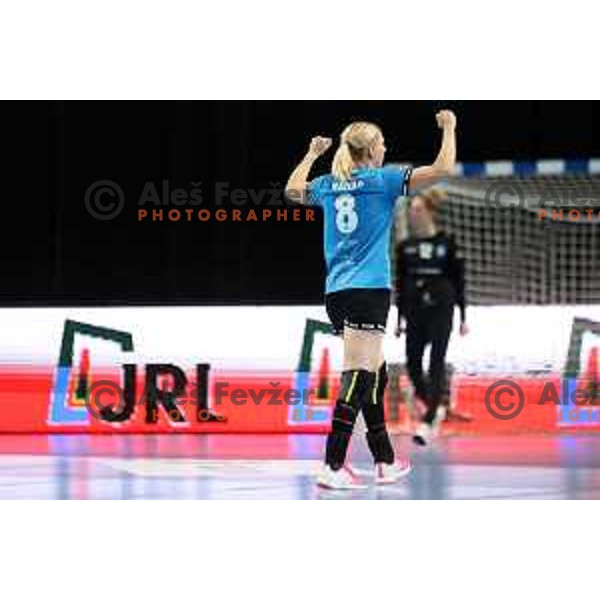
(430, 272)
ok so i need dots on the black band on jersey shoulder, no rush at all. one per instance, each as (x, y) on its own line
(406, 181)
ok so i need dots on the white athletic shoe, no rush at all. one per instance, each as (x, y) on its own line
(424, 434)
(385, 473)
(342, 479)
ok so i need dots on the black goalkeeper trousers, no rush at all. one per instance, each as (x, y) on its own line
(425, 326)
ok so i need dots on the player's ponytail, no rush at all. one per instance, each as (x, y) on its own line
(342, 162)
(355, 147)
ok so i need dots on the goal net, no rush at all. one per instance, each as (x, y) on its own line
(526, 240)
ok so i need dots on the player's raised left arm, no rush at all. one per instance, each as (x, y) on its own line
(444, 164)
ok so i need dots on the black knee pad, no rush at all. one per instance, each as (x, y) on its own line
(338, 440)
(380, 381)
(374, 415)
(380, 446)
(336, 448)
(373, 408)
(353, 388)
(344, 417)
(382, 378)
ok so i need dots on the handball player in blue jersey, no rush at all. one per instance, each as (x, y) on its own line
(358, 200)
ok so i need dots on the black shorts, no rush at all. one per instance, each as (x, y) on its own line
(358, 308)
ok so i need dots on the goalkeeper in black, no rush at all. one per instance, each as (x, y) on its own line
(429, 284)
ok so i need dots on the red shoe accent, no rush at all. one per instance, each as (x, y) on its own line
(404, 463)
(351, 473)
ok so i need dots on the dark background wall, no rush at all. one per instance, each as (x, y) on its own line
(55, 253)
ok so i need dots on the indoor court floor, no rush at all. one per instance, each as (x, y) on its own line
(219, 466)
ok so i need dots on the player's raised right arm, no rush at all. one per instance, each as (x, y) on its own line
(444, 164)
(295, 189)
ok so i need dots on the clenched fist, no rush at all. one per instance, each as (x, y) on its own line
(446, 119)
(319, 145)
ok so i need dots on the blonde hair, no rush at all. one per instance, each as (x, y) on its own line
(355, 142)
(432, 199)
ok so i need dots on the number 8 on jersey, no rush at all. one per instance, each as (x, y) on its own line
(346, 218)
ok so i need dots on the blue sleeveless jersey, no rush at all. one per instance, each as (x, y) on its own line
(358, 216)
